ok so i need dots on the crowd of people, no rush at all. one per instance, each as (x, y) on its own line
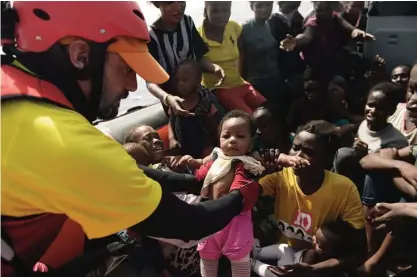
(309, 93)
(290, 154)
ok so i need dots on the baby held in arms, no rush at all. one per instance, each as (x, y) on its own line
(230, 167)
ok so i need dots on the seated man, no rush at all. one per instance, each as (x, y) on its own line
(308, 197)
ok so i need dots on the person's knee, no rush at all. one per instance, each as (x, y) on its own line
(344, 159)
(379, 187)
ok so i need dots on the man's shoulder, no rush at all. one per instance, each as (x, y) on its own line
(45, 122)
(395, 136)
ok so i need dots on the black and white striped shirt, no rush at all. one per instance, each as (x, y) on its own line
(170, 48)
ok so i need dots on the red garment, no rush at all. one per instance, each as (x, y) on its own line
(247, 187)
(244, 98)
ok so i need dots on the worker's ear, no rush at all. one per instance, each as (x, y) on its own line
(79, 52)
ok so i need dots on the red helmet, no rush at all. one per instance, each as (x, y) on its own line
(43, 23)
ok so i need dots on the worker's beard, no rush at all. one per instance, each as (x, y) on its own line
(108, 113)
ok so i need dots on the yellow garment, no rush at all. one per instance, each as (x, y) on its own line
(299, 215)
(54, 161)
(225, 54)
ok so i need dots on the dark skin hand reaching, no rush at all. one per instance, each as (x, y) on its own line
(296, 270)
(360, 148)
(271, 159)
(274, 161)
(392, 216)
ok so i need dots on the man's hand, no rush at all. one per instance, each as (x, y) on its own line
(360, 147)
(359, 34)
(389, 153)
(174, 102)
(292, 161)
(389, 216)
(189, 161)
(409, 173)
(288, 44)
(296, 270)
(171, 161)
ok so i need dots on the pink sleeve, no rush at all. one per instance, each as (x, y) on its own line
(201, 173)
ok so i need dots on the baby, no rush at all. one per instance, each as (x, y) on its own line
(327, 243)
(231, 167)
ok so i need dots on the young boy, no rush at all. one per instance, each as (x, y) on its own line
(194, 135)
(374, 134)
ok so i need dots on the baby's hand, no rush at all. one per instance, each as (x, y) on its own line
(292, 161)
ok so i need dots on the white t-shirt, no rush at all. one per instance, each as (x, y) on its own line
(386, 138)
(397, 120)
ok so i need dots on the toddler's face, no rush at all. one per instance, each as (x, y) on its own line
(323, 241)
(187, 81)
(267, 128)
(235, 137)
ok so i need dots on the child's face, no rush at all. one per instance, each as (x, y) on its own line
(323, 241)
(235, 137)
(187, 81)
(312, 90)
(266, 126)
(377, 110)
(218, 13)
(400, 76)
(172, 11)
(148, 134)
(262, 9)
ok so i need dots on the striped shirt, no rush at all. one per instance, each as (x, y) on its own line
(170, 48)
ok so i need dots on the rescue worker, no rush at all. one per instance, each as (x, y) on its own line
(66, 64)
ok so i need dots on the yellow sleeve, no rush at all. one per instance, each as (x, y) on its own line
(55, 161)
(237, 28)
(105, 191)
(270, 183)
(353, 211)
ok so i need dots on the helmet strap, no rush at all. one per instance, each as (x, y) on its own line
(54, 66)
